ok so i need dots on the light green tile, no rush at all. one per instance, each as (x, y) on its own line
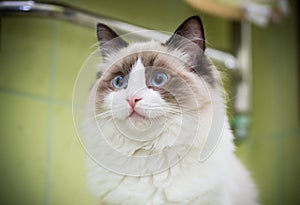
(260, 157)
(23, 145)
(214, 27)
(263, 115)
(134, 11)
(68, 175)
(25, 56)
(73, 47)
(290, 167)
(275, 81)
(285, 72)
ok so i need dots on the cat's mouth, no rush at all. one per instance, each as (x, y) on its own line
(135, 115)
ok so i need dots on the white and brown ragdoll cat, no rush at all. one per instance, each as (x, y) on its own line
(156, 130)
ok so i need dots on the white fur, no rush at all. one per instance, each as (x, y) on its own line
(219, 180)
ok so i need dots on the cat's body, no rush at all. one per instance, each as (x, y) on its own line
(153, 112)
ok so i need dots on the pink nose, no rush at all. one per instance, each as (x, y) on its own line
(133, 100)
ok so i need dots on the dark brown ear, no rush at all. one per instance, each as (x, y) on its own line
(109, 41)
(191, 29)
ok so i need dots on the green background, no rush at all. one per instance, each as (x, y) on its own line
(42, 161)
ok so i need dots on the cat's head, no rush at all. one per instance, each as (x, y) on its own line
(147, 89)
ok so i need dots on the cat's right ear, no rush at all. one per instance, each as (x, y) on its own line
(109, 40)
(191, 30)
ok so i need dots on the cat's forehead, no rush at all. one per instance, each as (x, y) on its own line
(151, 54)
(148, 60)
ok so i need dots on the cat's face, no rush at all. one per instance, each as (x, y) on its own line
(144, 88)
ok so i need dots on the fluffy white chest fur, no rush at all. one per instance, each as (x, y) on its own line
(220, 180)
(156, 129)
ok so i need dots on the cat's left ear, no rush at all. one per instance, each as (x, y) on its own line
(109, 40)
(190, 30)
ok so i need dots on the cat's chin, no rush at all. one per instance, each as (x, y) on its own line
(141, 122)
(139, 127)
(135, 116)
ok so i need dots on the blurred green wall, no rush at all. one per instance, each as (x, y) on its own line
(42, 161)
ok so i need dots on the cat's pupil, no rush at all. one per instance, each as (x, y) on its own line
(119, 81)
(159, 79)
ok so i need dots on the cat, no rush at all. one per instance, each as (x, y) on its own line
(156, 129)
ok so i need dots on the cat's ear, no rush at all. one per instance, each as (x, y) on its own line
(190, 30)
(109, 40)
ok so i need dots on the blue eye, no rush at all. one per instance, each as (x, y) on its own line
(159, 79)
(119, 82)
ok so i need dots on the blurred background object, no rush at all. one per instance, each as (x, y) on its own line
(259, 12)
(42, 161)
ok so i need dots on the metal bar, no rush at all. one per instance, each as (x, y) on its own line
(88, 19)
(243, 98)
